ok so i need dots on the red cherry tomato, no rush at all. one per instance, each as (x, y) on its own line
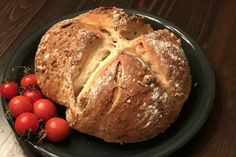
(44, 109)
(57, 129)
(33, 95)
(28, 80)
(26, 121)
(8, 90)
(20, 104)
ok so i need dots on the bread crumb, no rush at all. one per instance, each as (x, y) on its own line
(55, 50)
(155, 93)
(178, 94)
(46, 56)
(147, 124)
(176, 85)
(46, 37)
(152, 85)
(147, 79)
(164, 97)
(144, 104)
(40, 67)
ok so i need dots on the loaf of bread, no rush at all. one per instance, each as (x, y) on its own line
(119, 79)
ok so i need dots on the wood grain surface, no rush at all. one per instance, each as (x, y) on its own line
(212, 23)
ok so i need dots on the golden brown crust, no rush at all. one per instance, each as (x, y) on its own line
(119, 80)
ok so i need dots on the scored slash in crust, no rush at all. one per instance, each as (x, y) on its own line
(120, 80)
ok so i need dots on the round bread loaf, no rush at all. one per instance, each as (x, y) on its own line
(120, 80)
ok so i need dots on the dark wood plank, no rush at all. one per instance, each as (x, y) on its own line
(15, 15)
(175, 11)
(212, 23)
(217, 137)
(221, 51)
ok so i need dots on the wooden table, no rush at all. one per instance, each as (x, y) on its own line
(212, 23)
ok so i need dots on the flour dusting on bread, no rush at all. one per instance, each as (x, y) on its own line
(118, 78)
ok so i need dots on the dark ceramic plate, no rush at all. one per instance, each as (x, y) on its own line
(192, 117)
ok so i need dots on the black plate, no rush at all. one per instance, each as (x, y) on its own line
(192, 117)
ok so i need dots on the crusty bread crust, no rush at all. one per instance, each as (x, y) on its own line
(120, 80)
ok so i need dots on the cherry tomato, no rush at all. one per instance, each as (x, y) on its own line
(20, 104)
(8, 90)
(33, 95)
(26, 121)
(57, 129)
(28, 80)
(44, 109)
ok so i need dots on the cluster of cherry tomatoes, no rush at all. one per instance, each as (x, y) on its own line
(30, 108)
